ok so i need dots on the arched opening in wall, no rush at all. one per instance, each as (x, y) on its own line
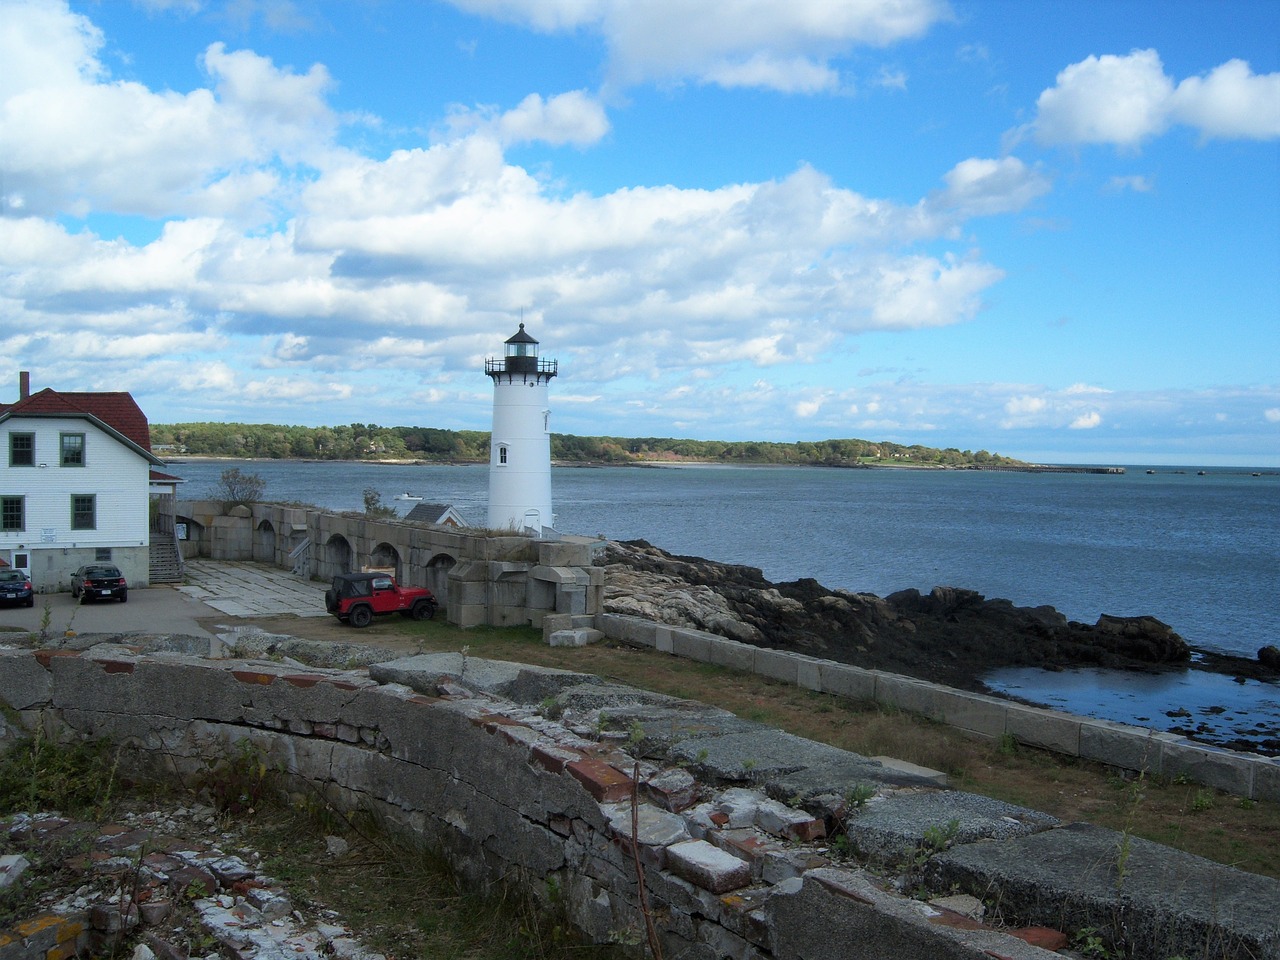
(438, 576)
(386, 557)
(264, 542)
(338, 557)
(191, 536)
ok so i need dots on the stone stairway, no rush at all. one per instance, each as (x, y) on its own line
(166, 563)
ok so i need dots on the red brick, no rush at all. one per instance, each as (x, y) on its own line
(303, 680)
(554, 758)
(602, 781)
(116, 666)
(254, 677)
(1044, 937)
(342, 684)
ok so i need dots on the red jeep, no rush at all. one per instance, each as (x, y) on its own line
(355, 597)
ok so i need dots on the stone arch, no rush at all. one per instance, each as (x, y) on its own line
(438, 568)
(386, 557)
(192, 537)
(264, 542)
(337, 558)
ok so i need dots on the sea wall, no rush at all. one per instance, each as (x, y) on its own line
(1132, 748)
(726, 821)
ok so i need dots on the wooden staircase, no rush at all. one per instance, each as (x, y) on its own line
(165, 559)
(166, 562)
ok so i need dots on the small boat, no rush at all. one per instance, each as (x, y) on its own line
(406, 496)
(1152, 472)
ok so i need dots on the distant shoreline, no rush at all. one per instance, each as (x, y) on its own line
(1116, 470)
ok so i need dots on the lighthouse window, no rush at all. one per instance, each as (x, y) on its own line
(502, 454)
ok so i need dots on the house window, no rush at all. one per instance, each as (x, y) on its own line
(84, 512)
(13, 513)
(72, 445)
(502, 454)
(22, 449)
(102, 554)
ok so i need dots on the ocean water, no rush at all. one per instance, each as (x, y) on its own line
(1200, 552)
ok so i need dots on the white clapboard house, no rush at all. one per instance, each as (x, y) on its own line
(75, 485)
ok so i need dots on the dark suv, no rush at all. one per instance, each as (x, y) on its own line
(355, 598)
(15, 587)
(99, 581)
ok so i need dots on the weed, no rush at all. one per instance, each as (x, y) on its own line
(859, 795)
(1091, 944)
(635, 735)
(1007, 746)
(74, 778)
(551, 708)
(1202, 801)
(239, 782)
(940, 836)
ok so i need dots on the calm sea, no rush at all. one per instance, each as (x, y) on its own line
(1200, 552)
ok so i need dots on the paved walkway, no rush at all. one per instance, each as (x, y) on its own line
(252, 589)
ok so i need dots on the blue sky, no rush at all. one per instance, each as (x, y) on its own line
(1050, 230)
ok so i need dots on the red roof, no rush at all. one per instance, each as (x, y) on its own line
(117, 410)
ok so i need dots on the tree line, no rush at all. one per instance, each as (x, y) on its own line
(368, 441)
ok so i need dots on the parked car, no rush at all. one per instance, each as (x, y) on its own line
(15, 587)
(99, 581)
(356, 598)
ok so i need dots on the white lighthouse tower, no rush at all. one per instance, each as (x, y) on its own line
(520, 448)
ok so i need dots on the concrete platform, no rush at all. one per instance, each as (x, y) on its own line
(252, 590)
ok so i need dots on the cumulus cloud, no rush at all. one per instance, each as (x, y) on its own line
(1086, 421)
(1272, 415)
(780, 46)
(980, 187)
(74, 140)
(1125, 100)
(574, 118)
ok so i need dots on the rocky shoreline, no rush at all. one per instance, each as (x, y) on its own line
(951, 635)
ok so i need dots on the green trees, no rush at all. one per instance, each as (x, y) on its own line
(369, 441)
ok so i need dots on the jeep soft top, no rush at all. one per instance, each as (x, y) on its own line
(356, 598)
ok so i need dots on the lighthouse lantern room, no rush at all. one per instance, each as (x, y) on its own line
(520, 445)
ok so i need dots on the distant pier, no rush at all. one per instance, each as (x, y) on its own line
(1043, 468)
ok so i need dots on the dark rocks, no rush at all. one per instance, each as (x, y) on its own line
(950, 635)
(1269, 656)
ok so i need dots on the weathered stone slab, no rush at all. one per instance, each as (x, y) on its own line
(707, 867)
(1080, 876)
(1212, 766)
(1049, 729)
(732, 654)
(777, 664)
(843, 680)
(895, 829)
(24, 682)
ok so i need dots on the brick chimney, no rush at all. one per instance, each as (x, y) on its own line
(24, 385)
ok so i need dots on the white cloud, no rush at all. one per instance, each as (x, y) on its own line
(980, 187)
(574, 118)
(1272, 415)
(1020, 406)
(1231, 102)
(1124, 100)
(781, 46)
(1086, 421)
(74, 140)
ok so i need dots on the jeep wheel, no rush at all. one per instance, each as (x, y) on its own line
(360, 616)
(424, 610)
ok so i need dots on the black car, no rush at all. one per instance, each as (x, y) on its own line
(99, 581)
(15, 587)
